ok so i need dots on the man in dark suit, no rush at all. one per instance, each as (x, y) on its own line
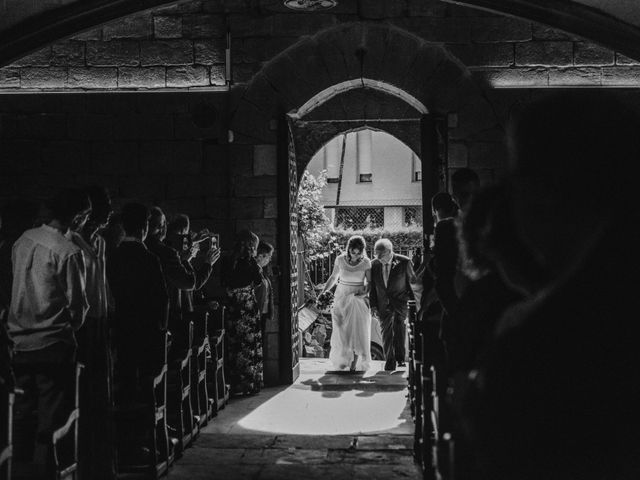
(140, 294)
(392, 277)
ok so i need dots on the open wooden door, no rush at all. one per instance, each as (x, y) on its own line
(287, 253)
(433, 154)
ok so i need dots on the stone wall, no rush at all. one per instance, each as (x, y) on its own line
(183, 46)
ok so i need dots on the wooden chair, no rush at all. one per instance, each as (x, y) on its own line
(7, 398)
(151, 413)
(218, 388)
(202, 409)
(415, 383)
(65, 440)
(179, 411)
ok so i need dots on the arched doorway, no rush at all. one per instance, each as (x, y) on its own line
(388, 80)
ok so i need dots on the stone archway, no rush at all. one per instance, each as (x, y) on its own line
(345, 78)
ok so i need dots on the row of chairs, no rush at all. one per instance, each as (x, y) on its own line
(434, 446)
(186, 393)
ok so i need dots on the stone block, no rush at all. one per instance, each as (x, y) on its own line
(247, 208)
(20, 157)
(70, 53)
(624, 60)
(244, 73)
(42, 126)
(194, 207)
(288, 25)
(93, 78)
(89, 35)
(137, 26)
(41, 77)
(426, 8)
(265, 158)
(193, 6)
(217, 75)
(240, 158)
(515, 77)
(187, 76)
(114, 158)
(65, 157)
(379, 9)
(621, 76)
(264, 186)
(436, 29)
(558, 54)
(187, 155)
(90, 127)
(40, 58)
(210, 51)
(218, 208)
(589, 54)
(544, 32)
(114, 53)
(271, 207)
(457, 155)
(167, 26)
(487, 155)
(216, 159)
(185, 128)
(166, 52)
(142, 126)
(251, 26)
(203, 26)
(500, 29)
(9, 78)
(182, 186)
(150, 77)
(262, 228)
(568, 77)
(138, 188)
(484, 55)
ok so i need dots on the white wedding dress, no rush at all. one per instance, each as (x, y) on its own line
(351, 318)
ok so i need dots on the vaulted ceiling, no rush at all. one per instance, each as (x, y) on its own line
(28, 25)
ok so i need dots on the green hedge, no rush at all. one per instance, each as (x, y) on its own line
(408, 237)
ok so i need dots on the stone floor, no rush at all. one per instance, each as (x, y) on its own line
(326, 426)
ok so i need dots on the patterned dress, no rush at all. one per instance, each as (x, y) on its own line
(243, 365)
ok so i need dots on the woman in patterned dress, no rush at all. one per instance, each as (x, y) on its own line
(241, 276)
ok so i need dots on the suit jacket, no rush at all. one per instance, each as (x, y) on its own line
(141, 301)
(181, 280)
(393, 297)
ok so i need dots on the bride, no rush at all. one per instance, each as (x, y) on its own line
(351, 318)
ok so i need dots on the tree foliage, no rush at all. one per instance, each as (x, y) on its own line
(313, 225)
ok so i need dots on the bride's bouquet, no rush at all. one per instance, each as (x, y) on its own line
(324, 300)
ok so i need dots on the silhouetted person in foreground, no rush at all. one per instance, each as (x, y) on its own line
(557, 395)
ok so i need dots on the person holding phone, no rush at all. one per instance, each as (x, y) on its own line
(170, 243)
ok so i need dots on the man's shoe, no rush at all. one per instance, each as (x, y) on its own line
(402, 364)
(389, 367)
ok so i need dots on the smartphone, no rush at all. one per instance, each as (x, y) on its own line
(215, 240)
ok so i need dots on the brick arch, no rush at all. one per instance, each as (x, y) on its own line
(340, 58)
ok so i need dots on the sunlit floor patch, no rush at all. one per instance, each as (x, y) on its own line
(325, 403)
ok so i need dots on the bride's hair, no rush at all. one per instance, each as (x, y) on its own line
(357, 242)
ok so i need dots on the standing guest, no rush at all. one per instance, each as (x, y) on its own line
(444, 263)
(181, 278)
(96, 440)
(48, 304)
(557, 394)
(264, 293)
(140, 294)
(241, 276)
